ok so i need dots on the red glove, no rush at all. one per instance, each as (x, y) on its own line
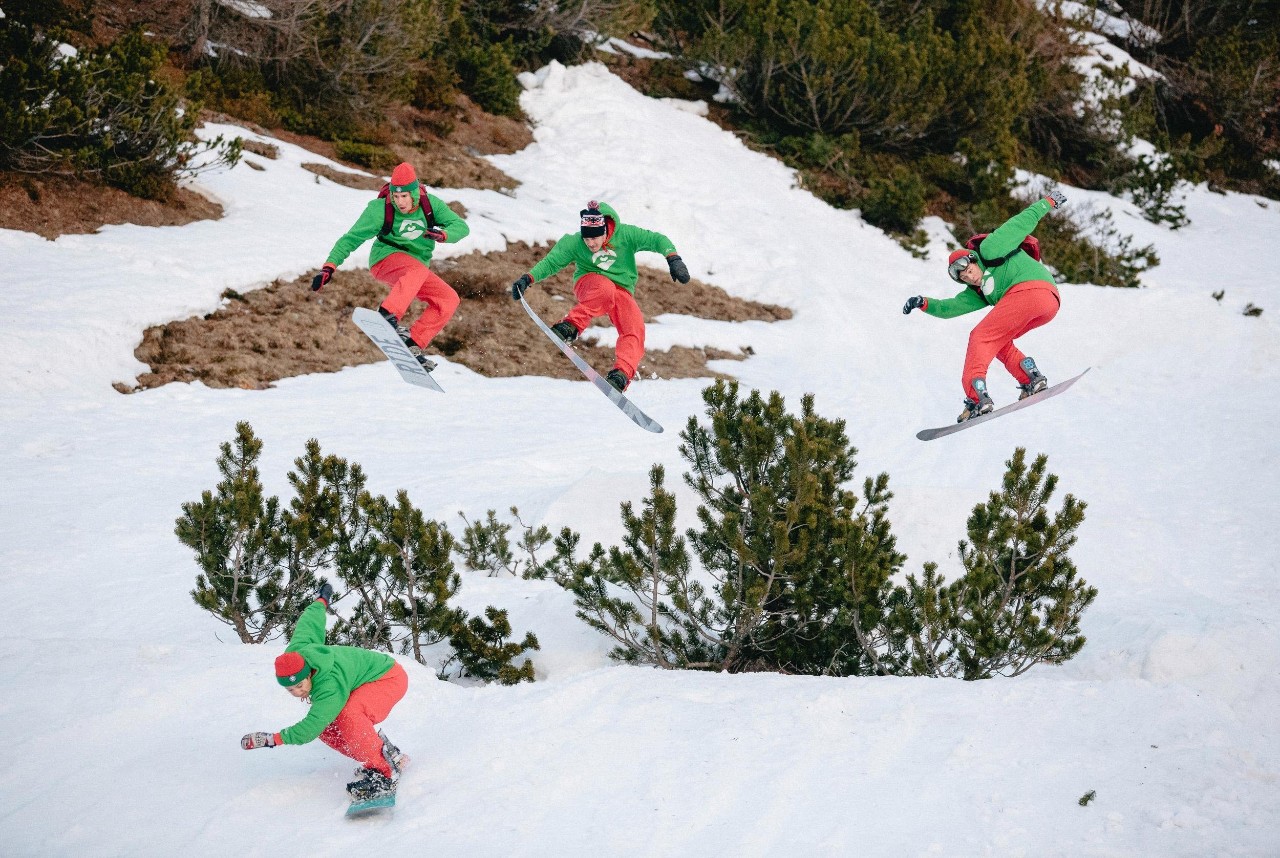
(325, 275)
(437, 234)
(260, 740)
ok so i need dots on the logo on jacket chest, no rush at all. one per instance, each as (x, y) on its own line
(988, 283)
(604, 258)
(411, 229)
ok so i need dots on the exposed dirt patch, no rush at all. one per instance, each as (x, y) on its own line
(350, 180)
(285, 330)
(444, 146)
(52, 206)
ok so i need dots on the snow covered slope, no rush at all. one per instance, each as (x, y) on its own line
(123, 702)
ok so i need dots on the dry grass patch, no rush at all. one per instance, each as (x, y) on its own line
(285, 330)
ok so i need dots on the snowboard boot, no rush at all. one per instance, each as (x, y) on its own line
(983, 405)
(1037, 381)
(427, 363)
(370, 783)
(618, 379)
(565, 330)
(391, 754)
(401, 331)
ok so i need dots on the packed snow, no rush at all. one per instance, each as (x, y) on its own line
(123, 702)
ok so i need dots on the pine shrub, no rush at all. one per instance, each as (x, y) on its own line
(486, 547)
(237, 534)
(105, 114)
(369, 155)
(794, 569)
(482, 650)
(1214, 106)
(1020, 600)
(789, 570)
(260, 563)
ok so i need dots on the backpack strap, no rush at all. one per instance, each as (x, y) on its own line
(1029, 245)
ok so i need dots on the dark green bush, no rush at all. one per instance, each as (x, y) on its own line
(260, 562)
(487, 74)
(794, 569)
(104, 114)
(370, 155)
(894, 201)
(1215, 105)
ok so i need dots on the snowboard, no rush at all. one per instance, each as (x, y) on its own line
(617, 397)
(385, 338)
(1048, 392)
(370, 806)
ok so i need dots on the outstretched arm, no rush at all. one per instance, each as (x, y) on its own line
(948, 308)
(366, 227)
(561, 256)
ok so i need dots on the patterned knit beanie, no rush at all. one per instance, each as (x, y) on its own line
(291, 668)
(592, 220)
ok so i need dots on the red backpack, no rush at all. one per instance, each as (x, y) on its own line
(423, 203)
(1030, 245)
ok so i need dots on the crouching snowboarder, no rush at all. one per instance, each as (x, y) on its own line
(604, 281)
(350, 690)
(1003, 271)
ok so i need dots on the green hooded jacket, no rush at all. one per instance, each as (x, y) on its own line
(996, 281)
(339, 670)
(615, 260)
(406, 231)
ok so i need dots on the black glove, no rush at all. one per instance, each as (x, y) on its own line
(678, 270)
(1056, 198)
(521, 286)
(437, 234)
(913, 303)
(325, 275)
(325, 592)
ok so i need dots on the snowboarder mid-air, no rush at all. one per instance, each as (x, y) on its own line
(604, 281)
(1002, 271)
(406, 223)
(350, 690)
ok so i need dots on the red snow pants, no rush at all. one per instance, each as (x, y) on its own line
(1026, 306)
(352, 733)
(409, 279)
(599, 296)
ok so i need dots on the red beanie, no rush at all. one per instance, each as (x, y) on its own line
(291, 668)
(957, 254)
(403, 177)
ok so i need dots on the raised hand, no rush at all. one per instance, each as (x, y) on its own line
(913, 303)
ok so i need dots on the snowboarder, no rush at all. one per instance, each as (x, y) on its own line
(405, 231)
(350, 690)
(604, 252)
(999, 273)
